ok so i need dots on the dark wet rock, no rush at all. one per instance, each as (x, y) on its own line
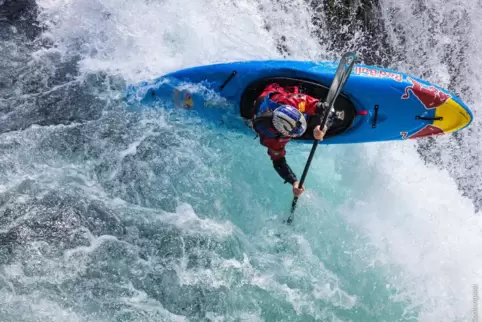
(19, 16)
(353, 25)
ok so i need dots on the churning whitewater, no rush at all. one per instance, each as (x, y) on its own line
(113, 215)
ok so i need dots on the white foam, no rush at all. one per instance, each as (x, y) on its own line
(145, 39)
(186, 219)
(34, 307)
(413, 215)
(142, 302)
(417, 220)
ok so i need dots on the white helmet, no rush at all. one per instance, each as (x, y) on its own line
(289, 121)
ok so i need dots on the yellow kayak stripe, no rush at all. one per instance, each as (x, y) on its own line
(454, 116)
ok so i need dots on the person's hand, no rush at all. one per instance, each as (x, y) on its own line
(297, 191)
(319, 134)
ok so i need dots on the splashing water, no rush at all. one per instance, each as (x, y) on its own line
(108, 215)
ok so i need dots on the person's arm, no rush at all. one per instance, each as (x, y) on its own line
(277, 152)
(284, 170)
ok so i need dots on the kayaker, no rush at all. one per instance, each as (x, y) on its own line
(281, 113)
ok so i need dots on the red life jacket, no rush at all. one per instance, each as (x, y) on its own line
(273, 96)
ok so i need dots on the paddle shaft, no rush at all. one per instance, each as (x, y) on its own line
(303, 176)
(341, 76)
(307, 167)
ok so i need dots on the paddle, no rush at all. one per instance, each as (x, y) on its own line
(341, 76)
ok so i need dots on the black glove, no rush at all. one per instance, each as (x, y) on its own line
(320, 111)
(320, 108)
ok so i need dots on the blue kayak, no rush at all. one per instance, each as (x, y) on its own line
(378, 104)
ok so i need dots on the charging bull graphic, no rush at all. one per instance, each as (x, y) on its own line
(429, 96)
(428, 130)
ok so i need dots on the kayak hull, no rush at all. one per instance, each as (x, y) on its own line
(380, 104)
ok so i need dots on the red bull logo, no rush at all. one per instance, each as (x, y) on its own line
(427, 130)
(429, 96)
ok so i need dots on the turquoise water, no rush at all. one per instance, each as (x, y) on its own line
(160, 216)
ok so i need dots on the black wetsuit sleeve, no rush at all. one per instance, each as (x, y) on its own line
(284, 170)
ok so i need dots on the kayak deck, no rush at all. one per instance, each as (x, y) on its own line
(379, 104)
